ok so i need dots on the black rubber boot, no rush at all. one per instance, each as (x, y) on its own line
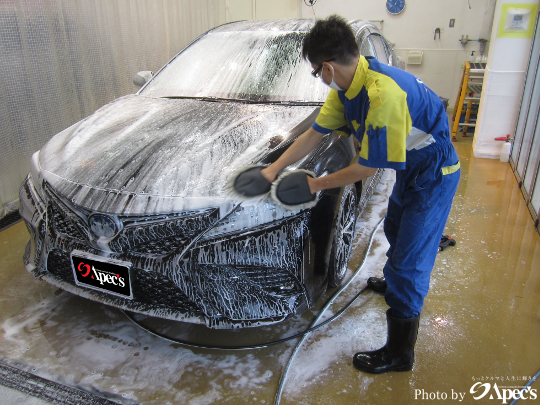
(377, 284)
(397, 354)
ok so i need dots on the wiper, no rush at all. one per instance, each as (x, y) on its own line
(199, 98)
(246, 101)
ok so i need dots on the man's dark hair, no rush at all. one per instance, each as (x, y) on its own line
(332, 38)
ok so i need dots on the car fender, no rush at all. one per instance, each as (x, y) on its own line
(335, 153)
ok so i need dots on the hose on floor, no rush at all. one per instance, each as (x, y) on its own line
(525, 387)
(284, 375)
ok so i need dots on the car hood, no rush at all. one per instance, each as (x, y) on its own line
(148, 155)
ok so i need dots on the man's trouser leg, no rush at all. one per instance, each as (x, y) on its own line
(417, 214)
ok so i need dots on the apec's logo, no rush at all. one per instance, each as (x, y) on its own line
(481, 390)
(101, 276)
(104, 274)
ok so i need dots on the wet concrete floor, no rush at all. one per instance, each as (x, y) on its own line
(480, 323)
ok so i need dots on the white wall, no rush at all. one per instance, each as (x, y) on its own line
(261, 9)
(415, 27)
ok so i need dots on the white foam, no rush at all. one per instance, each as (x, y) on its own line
(80, 342)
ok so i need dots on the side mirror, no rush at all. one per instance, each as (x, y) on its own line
(142, 78)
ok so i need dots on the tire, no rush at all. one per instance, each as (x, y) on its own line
(343, 236)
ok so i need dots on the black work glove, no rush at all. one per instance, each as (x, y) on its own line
(249, 182)
(291, 190)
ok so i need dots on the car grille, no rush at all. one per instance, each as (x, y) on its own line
(152, 235)
(162, 236)
(161, 247)
(63, 222)
(274, 281)
(249, 295)
(148, 288)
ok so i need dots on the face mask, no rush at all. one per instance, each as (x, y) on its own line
(332, 84)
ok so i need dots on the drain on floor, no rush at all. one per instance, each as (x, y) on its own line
(10, 219)
(50, 391)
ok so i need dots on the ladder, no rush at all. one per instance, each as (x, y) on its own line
(468, 98)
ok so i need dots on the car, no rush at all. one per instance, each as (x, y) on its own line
(129, 206)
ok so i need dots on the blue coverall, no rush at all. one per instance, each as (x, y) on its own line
(402, 125)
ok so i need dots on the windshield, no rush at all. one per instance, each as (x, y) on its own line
(259, 66)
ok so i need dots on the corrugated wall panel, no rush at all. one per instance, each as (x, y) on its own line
(60, 60)
(525, 157)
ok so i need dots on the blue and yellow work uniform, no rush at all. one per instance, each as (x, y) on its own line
(401, 124)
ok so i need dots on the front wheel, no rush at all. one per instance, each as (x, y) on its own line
(343, 236)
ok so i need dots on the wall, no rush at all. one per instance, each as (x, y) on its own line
(414, 28)
(503, 86)
(237, 10)
(60, 60)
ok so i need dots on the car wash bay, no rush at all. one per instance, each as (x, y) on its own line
(479, 323)
(481, 320)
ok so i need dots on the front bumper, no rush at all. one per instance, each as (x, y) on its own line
(243, 279)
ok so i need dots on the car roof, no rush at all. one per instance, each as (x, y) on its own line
(298, 25)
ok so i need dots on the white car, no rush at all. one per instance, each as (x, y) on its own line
(128, 207)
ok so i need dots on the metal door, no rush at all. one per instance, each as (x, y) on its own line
(525, 156)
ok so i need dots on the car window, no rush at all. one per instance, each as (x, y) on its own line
(260, 66)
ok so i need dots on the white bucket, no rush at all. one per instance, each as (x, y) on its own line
(505, 152)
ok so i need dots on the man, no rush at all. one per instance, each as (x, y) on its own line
(401, 125)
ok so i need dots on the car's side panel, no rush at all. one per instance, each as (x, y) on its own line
(335, 153)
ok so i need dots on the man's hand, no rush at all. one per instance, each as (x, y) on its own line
(248, 182)
(291, 190)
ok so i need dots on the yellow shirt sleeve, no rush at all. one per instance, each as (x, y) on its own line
(332, 114)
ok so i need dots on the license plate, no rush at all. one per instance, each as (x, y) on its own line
(102, 274)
